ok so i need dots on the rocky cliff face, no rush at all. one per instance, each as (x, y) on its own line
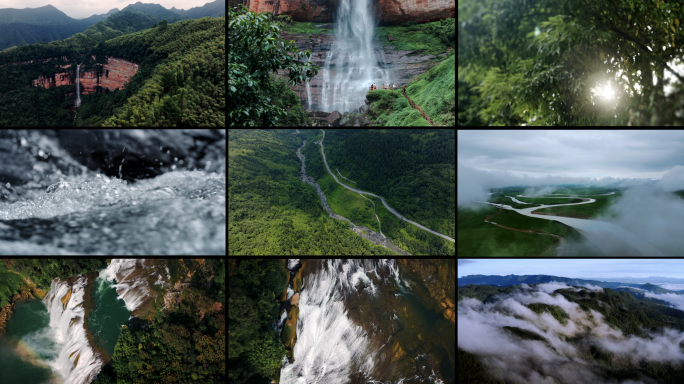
(114, 75)
(400, 66)
(386, 11)
(439, 278)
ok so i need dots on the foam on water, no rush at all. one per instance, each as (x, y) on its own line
(180, 212)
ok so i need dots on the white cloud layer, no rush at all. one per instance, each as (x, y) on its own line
(507, 357)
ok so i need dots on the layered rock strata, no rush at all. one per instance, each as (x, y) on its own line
(400, 66)
(113, 75)
(386, 11)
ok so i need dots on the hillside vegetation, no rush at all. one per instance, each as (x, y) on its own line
(180, 81)
(413, 170)
(271, 211)
(433, 91)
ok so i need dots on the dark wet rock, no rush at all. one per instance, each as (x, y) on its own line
(333, 118)
(141, 154)
(42, 157)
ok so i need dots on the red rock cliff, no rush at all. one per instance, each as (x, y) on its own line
(387, 11)
(115, 74)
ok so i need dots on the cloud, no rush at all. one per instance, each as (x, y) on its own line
(676, 300)
(673, 180)
(473, 184)
(653, 215)
(509, 358)
(465, 262)
(593, 287)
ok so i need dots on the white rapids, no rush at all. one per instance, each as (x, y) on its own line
(76, 362)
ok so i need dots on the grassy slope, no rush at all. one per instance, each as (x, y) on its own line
(271, 212)
(419, 39)
(434, 93)
(348, 204)
(477, 238)
(406, 236)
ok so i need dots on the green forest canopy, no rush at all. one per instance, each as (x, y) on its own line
(570, 62)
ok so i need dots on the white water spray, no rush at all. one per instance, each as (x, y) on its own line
(76, 362)
(355, 60)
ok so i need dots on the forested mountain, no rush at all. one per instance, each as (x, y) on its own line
(413, 169)
(534, 279)
(600, 336)
(216, 8)
(156, 10)
(43, 24)
(180, 79)
(271, 211)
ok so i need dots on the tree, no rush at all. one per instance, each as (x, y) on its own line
(255, 48)
(267, 355)
(542, 62)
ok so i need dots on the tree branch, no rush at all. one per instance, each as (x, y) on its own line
(645, 49)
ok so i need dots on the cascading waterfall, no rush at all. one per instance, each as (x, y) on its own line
(78, 85)
(134, 287)
(356, 64)
(78, 90)
(76, 362)
(360, 323)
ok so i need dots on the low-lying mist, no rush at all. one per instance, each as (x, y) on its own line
(555, 359)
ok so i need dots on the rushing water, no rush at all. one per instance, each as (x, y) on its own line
(361, 322)
(356, 62)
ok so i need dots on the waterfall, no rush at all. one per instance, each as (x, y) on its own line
(135, 287)
(356, 64)
(76, 362)
(78, 85)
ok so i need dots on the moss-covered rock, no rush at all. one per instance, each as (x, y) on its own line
(297, 280)
(289, 333)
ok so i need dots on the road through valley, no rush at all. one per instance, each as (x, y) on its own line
(380, 197)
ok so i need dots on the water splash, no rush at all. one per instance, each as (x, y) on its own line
(177, 212)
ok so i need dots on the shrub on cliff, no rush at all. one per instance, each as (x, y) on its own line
(255, 48)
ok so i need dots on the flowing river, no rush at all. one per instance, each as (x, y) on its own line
(601, 228)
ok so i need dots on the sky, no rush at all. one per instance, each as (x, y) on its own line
(574, 268)
(86, 8)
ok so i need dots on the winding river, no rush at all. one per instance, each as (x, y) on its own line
(380, 197)
(601, 228)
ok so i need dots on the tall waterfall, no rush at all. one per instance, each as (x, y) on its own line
(76, 362)
(354, 58)
(78, 85)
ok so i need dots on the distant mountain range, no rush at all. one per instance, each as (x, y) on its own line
(510, 280)
(47, 23)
